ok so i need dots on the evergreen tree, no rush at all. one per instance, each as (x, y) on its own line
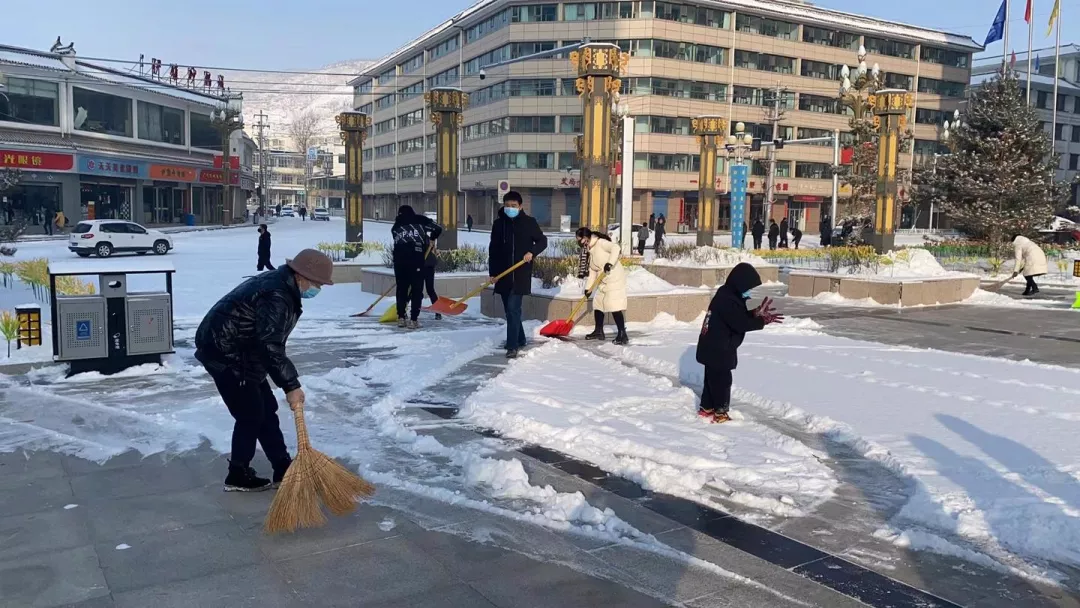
(999, 178)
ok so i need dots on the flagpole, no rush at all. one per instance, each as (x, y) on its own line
(1057, 75)
(1005, 53)
(1030, 14)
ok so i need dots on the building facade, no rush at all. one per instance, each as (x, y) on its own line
(1066, 131)
(96, 142)
(726, 57)
(294, 179)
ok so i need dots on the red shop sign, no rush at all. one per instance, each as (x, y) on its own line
(40, 161)
(216, 176)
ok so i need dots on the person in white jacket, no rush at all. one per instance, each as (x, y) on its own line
(610, 294)
(1030, 260)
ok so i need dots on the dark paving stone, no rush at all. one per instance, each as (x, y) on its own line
(542, 454)
(258, 586)
(769, 546)
(52, 579)
(683, 511)
(868, 586)
(43, 532)
(141, 515)
(36, 496)
(357, 528)
(18, 468)
(110, 484)
(457, 595)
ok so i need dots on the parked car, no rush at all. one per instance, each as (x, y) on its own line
(106, 237)
(321, 213)
(288, 212)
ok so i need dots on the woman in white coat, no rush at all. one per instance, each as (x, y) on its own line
(610, 294)
(1030, 260)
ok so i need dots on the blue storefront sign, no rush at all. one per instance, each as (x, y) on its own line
(82, 330)
(113, 167)
(738, 203)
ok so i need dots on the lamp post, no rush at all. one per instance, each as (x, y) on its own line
(445, 107)
(854, 92)
(354, 126)
(738, 148)
(710, 133)
(626, 150)
(890, 107)
(227, 119)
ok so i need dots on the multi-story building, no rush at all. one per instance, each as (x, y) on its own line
(290, 175)
(96, 142)
(1066, 132)
(688, 58)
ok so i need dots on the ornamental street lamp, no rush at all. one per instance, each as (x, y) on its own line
(853, 92)
(710, 133)
(739, 145)
(227, 119)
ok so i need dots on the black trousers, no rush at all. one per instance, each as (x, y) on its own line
(772, 242)
(1031, 286)
(264, 262)
(757, 242)
(429, 283)
(254, 408)
(641, 247)
(716, 396)
(410, 286)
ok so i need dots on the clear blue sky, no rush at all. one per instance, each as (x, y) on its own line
(279, 34)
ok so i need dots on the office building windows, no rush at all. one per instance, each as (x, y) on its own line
(766, 27)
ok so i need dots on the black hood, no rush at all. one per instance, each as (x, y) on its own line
(742, 278)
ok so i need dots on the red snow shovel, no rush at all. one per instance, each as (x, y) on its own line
(560, 328)
(447, 306)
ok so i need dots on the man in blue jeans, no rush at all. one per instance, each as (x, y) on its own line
(515, 236)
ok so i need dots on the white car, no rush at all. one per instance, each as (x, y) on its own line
(321, 214)
(288, 212)
(106, 237)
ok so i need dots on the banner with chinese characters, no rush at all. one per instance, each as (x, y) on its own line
(112, 167)
(173, 173)
(216, 176)
(36, 161)
(738, 203)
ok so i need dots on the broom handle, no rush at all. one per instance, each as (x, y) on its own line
(303, 442)
(581, 302)
(472, 294)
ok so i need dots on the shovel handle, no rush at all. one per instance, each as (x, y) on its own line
(581, 302)
(472, 294)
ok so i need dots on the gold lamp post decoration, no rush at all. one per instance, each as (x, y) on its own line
(711, 132)
(890, 107)
(445, 107)
(599, 66)
(354, 126)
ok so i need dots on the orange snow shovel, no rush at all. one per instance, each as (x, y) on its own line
(447, 306)
(376, 302)
(560, 328)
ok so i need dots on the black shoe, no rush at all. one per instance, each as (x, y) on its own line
(512, 354)
(279, 473)
(244, 479)
(438, 316)
(1034, 291)
(1027, 292)
(622, 339)
(597, 334)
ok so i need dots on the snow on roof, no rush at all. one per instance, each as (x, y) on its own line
(1037, 79)
(789, 8)
(110, 266)
(1045, 55)
(15, 55)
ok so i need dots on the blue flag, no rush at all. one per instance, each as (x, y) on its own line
(997, 28)
(1036, 64)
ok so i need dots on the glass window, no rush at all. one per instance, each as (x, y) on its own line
(570, 124)
(819, 103)
(892, 48)
(668, 125)
(364, 87)
(692, 14)
(385, 126)
(413, 64)
(444, 79)
(1042, 98)
(104, 113)
(925, 116)
(808, 133)
(667, 162)
(532, 87)
(161, 123)
(534, 12)
(569, 87)
(203, 133)
(491, 24)
(489, 162)
(764, 62)
(366, 109)
(824, 37)
(766, 27)
(1075, 134)
(411, 91)
(942, 87)
(1074, 162)
(387, 76)
(444, 48)
(385, 175)
(367, 154)
(532, 124)
(33, 102)
(819, 69)
(683, 51)
(893, 80)
(812, 170)
(384, 102)
(1060, 102)
(1059, 133)
(384, 151)
(531, 160)
(412, 118)
(568, 161)
(955, 59)
(411, 172)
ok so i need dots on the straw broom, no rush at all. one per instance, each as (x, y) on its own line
(313, 477)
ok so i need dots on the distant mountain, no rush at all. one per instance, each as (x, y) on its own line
(283, 96)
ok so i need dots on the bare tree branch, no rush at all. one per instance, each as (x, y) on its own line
(304, 129)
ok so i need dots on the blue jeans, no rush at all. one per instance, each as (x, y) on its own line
(515, 332)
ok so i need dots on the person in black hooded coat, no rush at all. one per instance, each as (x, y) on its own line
(264, 248)
(515, 236)
(726, 325)
(412, 234)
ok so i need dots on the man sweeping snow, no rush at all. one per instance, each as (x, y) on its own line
(725, 327)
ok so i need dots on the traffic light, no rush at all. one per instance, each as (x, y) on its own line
(756, 145)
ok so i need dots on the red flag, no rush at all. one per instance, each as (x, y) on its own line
(1012, 60)
(1028, 10)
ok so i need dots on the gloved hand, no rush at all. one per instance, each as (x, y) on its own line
(588, 294)
(607, 267)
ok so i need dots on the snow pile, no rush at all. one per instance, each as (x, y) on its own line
(907, 263)
(638, 282)
(646, 429)
(709, 257)
(989, 443)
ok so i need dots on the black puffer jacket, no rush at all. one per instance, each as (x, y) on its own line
(412, 233)
(728, 320)
(264, 245)
(244, 334)
(511, 239)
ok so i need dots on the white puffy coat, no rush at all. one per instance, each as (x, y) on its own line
(1030, 258)
(610, 295)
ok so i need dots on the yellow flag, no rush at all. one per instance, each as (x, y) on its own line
(1053, 17)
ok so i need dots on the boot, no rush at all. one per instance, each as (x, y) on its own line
(244, 479)
(621, 339)
(402, 323)
(414, 324)
(598, 333)
(279, 472)
(1034, 290)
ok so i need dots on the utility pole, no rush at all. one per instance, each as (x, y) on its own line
(773, 115)
(262, 126)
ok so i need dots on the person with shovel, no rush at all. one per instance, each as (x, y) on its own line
(726, 324)
(430, 262)
(1030, 260)
(515, 236)
(241, 342)
(601, 255)
(412, 234)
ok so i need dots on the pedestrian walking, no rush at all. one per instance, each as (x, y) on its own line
(742, 241)
(659, 233)
(784, 233)
(796, 236)
(515, 236)
(726, 324)
(774, 233)
(241, 342)
(264, 249)
(60, 220)
(825, 228)
(599, 254)
(411, 233)
(642, 236)
(468, 222)
(303, 213)
(758, 232)
(1030, 260)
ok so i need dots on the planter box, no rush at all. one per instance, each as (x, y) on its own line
(710, 276)
(640, 309)
(377, 279)
(929, 291)
(349, 272)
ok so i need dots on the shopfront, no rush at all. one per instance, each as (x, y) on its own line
(167, 199)
(107, 187)
(40, 192)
